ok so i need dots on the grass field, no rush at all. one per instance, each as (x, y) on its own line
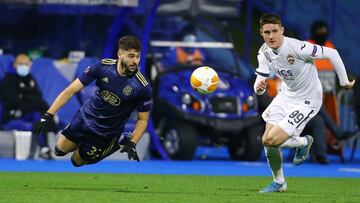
(87, 187)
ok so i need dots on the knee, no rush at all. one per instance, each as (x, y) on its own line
(59, 152)
(269, 141)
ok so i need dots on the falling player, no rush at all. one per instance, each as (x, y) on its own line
(94, 132)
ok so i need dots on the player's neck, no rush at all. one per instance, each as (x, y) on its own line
(280, 44)
(120, 69)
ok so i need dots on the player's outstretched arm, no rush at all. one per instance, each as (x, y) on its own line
(47, 119)
(339, 67)
(65, 95)
(140, 127)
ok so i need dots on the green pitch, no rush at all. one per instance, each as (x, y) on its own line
(80, 187)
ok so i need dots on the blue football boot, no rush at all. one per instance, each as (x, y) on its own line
(274, 187)
(302, 153)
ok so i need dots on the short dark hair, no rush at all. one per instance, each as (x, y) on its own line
(129, 42)
(270, 18)
(318, 24)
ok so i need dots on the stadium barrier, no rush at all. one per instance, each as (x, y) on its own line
(348, 118)
(22, 144)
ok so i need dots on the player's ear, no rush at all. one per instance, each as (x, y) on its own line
(119, 53)
(260, 30)
(282, 29)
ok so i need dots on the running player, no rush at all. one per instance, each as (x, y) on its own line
(300, 95)
(94, 132)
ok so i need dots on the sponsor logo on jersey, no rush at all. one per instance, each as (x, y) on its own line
(127, 90)
(290, 59)
(110, 98)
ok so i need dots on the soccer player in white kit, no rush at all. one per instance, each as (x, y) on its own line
(299, 98)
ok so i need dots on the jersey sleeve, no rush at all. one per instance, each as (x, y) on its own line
(263, 69)
(145, 101)
(314, 51)
(307, 50)
(90, 74)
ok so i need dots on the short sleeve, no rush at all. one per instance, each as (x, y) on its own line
(263, 69)
(90, 73)
(145, 100)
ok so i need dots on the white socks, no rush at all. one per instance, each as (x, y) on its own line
(294, 142)
(274, 158)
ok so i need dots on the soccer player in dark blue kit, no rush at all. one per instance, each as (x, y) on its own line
(94, 132)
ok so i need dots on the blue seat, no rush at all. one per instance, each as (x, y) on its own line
(51, 82)
(5, 63)
(90, 89)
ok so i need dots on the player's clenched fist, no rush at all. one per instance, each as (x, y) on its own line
(261, 86)
(349, 85)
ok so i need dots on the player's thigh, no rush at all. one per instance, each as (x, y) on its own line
(276, 111)
(297, 118)
(94, 148)
(273, 114)
(66, 145)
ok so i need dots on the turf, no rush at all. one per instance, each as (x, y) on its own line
(89, 187)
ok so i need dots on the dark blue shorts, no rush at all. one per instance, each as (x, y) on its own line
(92, 147)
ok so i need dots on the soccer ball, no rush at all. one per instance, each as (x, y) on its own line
(204, 80)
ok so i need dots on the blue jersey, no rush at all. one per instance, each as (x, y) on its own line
(117, 96)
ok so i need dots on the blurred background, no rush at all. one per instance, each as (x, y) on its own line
(63, 37)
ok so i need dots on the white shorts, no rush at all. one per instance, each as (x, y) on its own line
(291, 115)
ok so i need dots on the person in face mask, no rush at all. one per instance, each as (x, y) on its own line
(320, 33)
(23, 103)
(188, 55)
(325, 125)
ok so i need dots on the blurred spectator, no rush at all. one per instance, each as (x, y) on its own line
(328, 116)
(23, 103)
(317, 127)
(185, 55)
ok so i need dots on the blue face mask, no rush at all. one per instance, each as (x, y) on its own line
(23, 70)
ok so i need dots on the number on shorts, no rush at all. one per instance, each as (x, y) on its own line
(296, 116)
(94, 152)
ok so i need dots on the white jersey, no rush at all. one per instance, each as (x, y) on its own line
(293, 64)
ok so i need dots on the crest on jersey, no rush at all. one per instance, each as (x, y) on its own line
(290, 59)
(127, 90)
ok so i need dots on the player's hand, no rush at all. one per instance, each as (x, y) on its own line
(130, 148)
(349, 85)
(44, 125)
(261, 86)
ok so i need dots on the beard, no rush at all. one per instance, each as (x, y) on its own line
(127, 70)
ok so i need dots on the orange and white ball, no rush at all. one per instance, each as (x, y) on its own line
(204, 80)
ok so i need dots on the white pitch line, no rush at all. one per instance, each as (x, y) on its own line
(354, 170)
